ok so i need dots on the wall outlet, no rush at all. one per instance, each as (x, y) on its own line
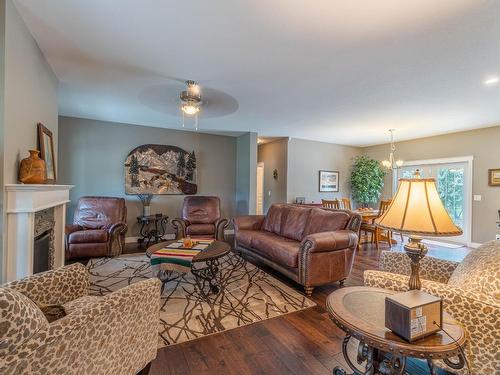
(497, 237)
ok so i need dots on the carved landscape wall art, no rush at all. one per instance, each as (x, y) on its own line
(160, 169)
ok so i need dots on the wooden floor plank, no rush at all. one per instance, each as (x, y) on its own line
(304, 342)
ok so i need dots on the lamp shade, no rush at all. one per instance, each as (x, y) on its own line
(417, 209)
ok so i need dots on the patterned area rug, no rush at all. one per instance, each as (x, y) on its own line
(188, 311)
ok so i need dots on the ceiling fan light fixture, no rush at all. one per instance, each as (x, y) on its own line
(190, 108)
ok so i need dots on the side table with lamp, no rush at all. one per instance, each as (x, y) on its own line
(416, 210)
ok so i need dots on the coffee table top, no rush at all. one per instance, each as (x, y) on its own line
(360, 312)
(215, 250)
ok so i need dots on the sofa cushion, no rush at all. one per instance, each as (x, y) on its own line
(293, 222)
(281, 250)
(20, 319)
(200, 229)
(480, 270)
(244, 237)
(88, 236)
(272, 222)
(325, 221)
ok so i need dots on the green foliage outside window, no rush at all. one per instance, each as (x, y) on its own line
(367, 180)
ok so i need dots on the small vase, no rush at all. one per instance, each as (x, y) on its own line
(146, 210)
(32, 169)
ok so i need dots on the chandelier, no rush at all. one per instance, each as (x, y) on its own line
(392, 163)
(191, 102)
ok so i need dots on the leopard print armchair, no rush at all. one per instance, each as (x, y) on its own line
(114, 334)
(470, 291)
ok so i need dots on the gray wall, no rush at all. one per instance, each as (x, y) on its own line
(274, 155)
(483, 145)
(92, 153)
(28, 95)
(246, 174)
(306, 158)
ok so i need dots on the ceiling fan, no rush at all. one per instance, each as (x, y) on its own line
(191, 102)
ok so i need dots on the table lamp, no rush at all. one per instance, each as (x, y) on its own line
(418, 211)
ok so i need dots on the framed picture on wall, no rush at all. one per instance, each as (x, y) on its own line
(494, 177)
(46, 147)
(329, 181)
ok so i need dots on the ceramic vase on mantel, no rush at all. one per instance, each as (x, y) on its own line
(32, 170)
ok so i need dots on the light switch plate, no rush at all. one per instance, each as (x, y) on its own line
(477, 197)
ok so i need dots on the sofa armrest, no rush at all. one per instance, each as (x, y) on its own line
(70, 228)
(478, 313)
(433, 269)
(54, 287)
(123, 328)
(328, 241)
(220, 225)
(249, 222)
(354, 224)
(180, 227)
(117, 228)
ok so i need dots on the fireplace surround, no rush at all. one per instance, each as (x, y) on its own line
(32, 210)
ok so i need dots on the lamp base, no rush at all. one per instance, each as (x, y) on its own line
(415, 250)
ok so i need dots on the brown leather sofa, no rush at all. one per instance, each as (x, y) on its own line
(312, 246)
(201, 218)
(98, 229)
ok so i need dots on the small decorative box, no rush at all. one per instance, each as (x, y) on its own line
(413, 314)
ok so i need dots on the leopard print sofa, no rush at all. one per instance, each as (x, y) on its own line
(470, 291)
(114, 334)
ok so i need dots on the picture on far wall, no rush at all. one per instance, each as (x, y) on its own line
(329, 181)
(46, 147)
(494, 177)
(160, 169)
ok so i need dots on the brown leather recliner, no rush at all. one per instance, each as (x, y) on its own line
(98, 229)
(201, 218)
(312, 246)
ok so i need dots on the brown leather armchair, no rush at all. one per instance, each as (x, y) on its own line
(98, 229)
(200, 218)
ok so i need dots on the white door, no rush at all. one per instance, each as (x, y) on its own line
(453, 182)
(260, 189)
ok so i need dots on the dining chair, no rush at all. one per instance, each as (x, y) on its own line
(370, 227)
(345, 204)
(330, 204)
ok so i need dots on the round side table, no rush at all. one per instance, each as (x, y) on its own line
(360, 312)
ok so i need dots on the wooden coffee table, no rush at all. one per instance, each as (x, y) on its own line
(205, 265)
(360, 312)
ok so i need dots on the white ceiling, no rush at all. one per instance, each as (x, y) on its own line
(332, 70)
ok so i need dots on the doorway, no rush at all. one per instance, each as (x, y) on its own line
(454, 184)
(260, 188)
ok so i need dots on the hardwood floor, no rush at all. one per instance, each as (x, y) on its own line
(304, 342)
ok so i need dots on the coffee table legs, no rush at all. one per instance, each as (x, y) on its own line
(394, 366)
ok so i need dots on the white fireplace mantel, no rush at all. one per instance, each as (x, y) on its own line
(21, 202)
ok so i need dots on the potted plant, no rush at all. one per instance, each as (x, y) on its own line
(367, 180)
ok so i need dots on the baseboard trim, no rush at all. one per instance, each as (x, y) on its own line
(169, 236)
(131, 239)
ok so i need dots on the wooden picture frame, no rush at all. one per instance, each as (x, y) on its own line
(46, 147)
(328, 181)
(494, 177)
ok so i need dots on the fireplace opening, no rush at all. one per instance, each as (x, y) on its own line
(41, 253)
